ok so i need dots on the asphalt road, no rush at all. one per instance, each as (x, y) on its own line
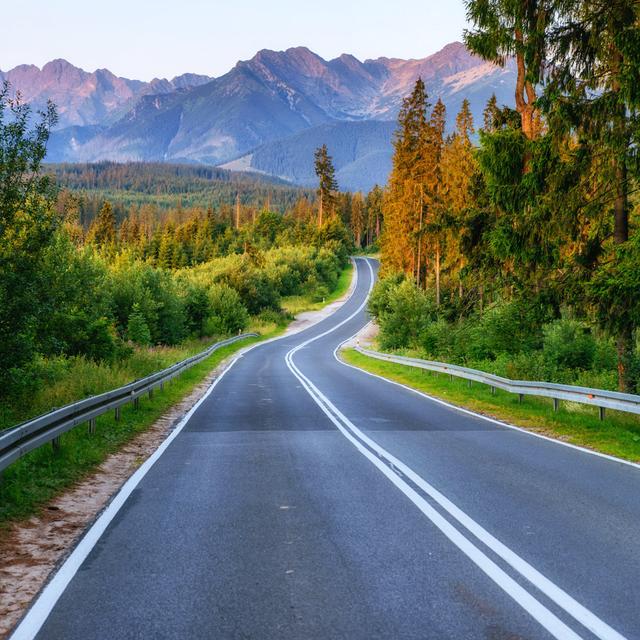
(307, 499)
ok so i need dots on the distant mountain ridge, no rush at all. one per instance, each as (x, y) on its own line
(85, 98)
(264, 115)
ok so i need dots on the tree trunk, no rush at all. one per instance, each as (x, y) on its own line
(624, 349)
(624, 342)
(437, 274)
(320, 211)
(525, 97)
(620, 206)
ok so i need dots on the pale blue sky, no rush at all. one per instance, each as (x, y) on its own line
(164, 38)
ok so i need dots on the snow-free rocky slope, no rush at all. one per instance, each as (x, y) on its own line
(266, 114)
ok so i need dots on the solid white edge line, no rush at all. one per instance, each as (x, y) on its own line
(555, 593)
(37, 614)
(469, 412)
(533, 607)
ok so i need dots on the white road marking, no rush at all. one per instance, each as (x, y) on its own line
(42, 606)
(545, 617)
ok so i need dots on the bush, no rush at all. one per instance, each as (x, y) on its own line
(568, 344)
(137, 328)
(379, 299)
(227, 313)
(409, 312)
(197, 306)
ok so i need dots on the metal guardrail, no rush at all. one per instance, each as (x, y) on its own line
(597, 397)
(16, 441)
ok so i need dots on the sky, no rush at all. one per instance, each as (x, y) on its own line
(165, 38)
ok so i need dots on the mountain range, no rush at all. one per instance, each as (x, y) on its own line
(266, 114)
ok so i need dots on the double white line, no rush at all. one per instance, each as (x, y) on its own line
(417, 489)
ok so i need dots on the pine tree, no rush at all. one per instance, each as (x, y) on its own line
(404, 199)
(592, 94)
(433, 156)
(102, 232)
(373, 206)
(458, 168)
(137, 328)
(328, 186)
(167, 248)
(358, 220)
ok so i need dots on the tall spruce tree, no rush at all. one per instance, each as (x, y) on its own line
(405, 199)
(102, 232)
(592, 95)
(328, 185)
(358, 220)
(458, 167)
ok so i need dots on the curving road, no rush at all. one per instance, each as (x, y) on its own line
(304, 498)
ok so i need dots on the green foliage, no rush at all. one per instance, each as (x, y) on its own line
(517, 339)
(166, 186)
(227, 313)
(27, 223)
(568, 344)
(328, 186)
(408, 311)
(197, 307)
(137, 328)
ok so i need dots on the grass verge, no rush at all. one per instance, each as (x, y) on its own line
(297, 304)
(43, 473)
(32, 481)
(617, 435)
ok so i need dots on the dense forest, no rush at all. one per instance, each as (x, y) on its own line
(522, 254)
(153, 188)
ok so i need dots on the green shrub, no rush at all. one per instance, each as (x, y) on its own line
(379, 299)
(137, 328)
(227, 313)
(197, 307)
(568, 344)
(409, 312)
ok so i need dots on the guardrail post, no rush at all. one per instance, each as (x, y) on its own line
(451, 377)
(117, 413)
(55, 444)
(601, 411)
(469, 383)
(151, 393)
(91, 426)
(493, 391)
(556, 404)
(162, 386)
(136, 403)
(520, 397)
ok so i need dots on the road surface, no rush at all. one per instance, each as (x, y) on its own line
(307, 499)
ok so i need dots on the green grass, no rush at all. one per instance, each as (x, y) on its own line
(34, 480)
(297, 304)
(39, 476)
(69, 379)
(617, 435)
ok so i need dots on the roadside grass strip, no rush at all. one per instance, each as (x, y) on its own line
(618, 435)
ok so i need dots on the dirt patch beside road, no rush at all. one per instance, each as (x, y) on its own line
(32, 549)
